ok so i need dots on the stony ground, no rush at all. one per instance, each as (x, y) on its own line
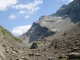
(63, 44)
(53, 47)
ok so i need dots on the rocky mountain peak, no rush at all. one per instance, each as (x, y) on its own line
(73, 7)
(53, 37)
(64, 18)
(77, 0)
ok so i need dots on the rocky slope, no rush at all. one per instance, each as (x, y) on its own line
(63, 19)
(54, 37)
(58, 46)
(10, 46)
(61, 46)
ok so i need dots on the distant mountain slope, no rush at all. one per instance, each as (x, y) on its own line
(64, 18)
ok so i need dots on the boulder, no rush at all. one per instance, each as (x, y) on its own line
(34, 46)
(73, 55)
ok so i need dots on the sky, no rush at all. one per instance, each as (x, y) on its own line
(17, 16)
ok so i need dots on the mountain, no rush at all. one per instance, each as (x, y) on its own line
(10, 46)
(62, 20)
(61, 46)
(54, 37)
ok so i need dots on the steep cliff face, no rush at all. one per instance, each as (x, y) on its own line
(64, 18)
(36, 32)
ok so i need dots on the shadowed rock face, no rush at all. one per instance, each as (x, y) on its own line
(64, 18)
(37, 32)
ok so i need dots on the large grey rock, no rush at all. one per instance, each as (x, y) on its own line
(34, 46)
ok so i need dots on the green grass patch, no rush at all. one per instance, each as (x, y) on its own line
(63, 59)
(73, 59)
(3, 32)
(37, 42)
